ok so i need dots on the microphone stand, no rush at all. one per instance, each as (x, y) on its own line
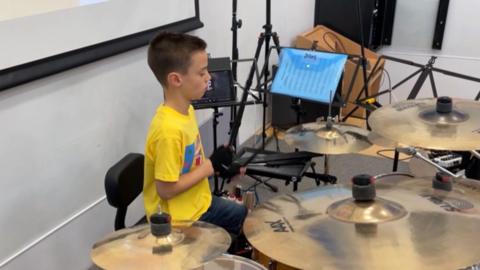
(363, 61)
(264, 38)
(236, 24)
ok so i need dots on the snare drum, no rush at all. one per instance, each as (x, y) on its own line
(232, 262)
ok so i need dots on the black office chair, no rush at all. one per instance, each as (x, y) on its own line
(123, 183)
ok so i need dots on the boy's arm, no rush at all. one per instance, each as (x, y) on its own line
(168, 190)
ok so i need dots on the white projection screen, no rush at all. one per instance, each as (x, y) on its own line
(69, 33)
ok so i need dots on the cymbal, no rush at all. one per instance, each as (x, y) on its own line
(376, 139)
(437, 229)
(192, 245)
(316, 137)
(421, 123)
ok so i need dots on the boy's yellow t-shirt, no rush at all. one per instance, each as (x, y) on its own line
(173, 147)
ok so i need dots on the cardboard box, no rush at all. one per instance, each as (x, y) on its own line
(329, 40)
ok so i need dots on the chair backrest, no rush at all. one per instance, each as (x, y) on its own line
(123, 183)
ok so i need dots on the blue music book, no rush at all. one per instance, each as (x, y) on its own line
(308, 74)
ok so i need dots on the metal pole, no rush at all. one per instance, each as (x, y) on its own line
(326, 163)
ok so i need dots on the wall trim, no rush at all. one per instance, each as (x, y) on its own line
(52, 231)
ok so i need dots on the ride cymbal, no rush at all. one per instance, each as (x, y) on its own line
(189, 245)
(317, 137)
(438, 230)
(441, 124)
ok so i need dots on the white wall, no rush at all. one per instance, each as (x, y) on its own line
(460, 52)
(60, 135)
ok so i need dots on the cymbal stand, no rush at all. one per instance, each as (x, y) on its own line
(297, 107)
(475, 153)
(326, 164)
(425, 71)
(414, 153)
(329, 126)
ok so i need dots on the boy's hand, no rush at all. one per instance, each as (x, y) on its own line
(207, 167)
(222, 161)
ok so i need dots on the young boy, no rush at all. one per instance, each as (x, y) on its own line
(176, 170)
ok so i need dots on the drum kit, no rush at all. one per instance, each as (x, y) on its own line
(429, 221)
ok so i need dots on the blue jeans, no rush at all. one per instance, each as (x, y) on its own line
(226, 214)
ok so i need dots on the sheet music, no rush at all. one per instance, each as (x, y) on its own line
(308, 74)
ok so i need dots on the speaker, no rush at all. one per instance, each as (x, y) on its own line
(341, 16)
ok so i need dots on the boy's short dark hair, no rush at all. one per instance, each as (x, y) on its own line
(170, 52)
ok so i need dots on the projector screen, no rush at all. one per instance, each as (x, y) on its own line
(50, 39)
(14, 9)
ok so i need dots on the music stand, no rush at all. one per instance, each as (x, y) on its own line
(312, 75)
(264, 38)
(425, 71)
(307, 74)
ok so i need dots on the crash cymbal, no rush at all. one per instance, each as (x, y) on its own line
(377, 139)
(189, 245)
(317, 137)
(411, 226)
(430, 123)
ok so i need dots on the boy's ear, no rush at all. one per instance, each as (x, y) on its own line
(174, 79)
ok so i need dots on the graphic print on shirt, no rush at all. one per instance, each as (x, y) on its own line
(198, 151)
(193, 153)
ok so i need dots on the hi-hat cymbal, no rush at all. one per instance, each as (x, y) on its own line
(192, 244)
(437, 229)
(424, 123)
(316, 137)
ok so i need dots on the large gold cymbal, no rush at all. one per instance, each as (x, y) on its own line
(376, 139)
(417, 123)
(192, 245)
(316, 137)
(438, 231)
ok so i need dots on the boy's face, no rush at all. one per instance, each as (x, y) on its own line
(195, 81)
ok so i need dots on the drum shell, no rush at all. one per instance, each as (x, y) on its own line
(269, 263)
(228, 262)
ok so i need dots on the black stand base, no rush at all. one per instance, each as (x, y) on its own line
(290, 167)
